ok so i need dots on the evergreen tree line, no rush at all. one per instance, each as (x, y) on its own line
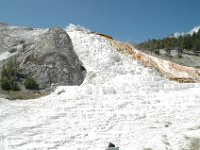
(190, 43)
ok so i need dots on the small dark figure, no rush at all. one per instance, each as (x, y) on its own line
(111, 145)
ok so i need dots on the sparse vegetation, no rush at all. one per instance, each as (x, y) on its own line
(10, 81)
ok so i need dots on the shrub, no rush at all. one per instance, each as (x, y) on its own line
(31, 84)
(9, 76)
(5, 84)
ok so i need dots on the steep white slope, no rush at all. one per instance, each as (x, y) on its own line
(120, 101)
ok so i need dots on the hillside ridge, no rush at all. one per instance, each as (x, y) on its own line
(166, 68)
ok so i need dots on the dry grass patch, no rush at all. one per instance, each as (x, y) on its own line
(195, 144)
(22, 95)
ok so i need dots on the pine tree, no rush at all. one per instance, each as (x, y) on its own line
(9, 76)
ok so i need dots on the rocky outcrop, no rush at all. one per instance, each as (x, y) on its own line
(46, 55)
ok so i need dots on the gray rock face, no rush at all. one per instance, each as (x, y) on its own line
(47, 55)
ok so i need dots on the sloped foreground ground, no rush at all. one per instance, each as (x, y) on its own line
(120, 101)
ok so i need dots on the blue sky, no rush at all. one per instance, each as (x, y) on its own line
(126, 20)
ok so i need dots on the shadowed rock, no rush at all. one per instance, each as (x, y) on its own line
(46, 55)
(111, 146)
